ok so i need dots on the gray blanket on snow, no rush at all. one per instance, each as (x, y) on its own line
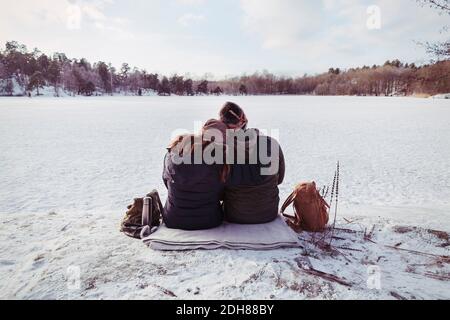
(269, 236)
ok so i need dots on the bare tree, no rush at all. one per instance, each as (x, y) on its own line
(443, 5)
(441, 49)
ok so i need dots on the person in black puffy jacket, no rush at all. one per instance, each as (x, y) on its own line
(195, 191)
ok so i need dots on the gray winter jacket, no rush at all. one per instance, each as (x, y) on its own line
(251, 196)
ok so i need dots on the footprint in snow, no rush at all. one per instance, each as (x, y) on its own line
(6, 262)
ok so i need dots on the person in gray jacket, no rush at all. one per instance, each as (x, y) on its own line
(251, 192)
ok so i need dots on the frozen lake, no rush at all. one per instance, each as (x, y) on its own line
(95, 154)
(70, 166)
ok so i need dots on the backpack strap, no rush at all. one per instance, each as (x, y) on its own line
(288, 202)
(159, 203)
(293, 221)
(159, 209)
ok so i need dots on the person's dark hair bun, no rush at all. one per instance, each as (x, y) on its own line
(231, 113)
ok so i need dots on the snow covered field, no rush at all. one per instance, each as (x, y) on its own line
(70, 166)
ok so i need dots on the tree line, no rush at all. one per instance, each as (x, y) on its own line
(393, 78)
(24, 72)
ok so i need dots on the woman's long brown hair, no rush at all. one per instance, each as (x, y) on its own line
(180, 142)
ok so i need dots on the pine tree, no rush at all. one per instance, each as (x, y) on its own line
(88, 89)
(243, 90)
(217, 91)
(54, 72)
(105, 76)
(202, 88)
(164, 87)
(36, 82)
(189, 87)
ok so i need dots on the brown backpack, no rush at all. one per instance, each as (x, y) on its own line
(134, 224)
(311, 210)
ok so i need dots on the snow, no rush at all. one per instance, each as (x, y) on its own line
(17, 89)
(50, 91)
(46, 91)
(442, 96)
(70, 166)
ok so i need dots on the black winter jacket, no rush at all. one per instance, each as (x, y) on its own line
(194, 195)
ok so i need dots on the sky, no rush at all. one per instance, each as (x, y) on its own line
(220, 38)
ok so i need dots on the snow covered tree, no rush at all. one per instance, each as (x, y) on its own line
(7, 87)
(36, 82)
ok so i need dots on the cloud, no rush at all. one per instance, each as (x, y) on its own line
(189, 19)
(72, 14)
(336, 30)
(286, 36)
(94, 12)
(280, 23)
(191, 2)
